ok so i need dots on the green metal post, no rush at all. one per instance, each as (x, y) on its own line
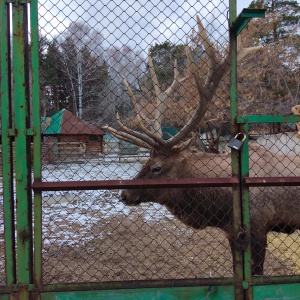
(238, 255)
(36, 142)
(21, 96)
(7, 156)
(246, 212)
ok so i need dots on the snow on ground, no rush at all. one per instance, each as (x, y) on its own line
(86, 208)
(69, 216)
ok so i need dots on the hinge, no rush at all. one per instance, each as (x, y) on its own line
(11, 132)
(245, 285)
(29, 132)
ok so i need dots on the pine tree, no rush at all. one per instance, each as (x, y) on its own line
(284, 15)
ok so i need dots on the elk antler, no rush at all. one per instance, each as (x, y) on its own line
(152, 137)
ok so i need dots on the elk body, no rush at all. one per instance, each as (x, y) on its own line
(272, 209)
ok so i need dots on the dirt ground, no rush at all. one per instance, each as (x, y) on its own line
(132, 249)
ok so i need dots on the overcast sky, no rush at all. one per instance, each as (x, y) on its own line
(137, 23)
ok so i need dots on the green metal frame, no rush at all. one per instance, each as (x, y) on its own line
(244, 17)
(7, 150)
(19, 101)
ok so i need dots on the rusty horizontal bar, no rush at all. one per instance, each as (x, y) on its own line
(130, 284)
(272, 181)
(264, 280)
(39, 186)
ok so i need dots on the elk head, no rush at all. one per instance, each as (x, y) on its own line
(170, 158)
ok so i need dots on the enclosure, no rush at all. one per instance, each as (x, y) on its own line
(117, 179)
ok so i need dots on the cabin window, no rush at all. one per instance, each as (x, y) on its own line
(93, 138)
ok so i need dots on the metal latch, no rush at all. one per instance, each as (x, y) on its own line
(241, 240)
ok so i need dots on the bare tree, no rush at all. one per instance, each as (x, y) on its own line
(83, 57)
(267, 83)
(124, 62)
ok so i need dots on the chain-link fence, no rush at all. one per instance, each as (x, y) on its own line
(87, 50)
(140, 90)
(268, 84)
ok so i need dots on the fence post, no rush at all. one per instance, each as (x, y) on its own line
(237, 253)
(36, 125)
(7, 143)
(21, 96)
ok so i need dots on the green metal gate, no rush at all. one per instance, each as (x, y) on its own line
(31, 269)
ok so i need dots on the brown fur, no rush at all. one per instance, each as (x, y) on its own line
(271, 208)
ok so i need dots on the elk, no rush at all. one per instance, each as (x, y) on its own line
(271, 209)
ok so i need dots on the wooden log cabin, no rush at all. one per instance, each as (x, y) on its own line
(67, 137)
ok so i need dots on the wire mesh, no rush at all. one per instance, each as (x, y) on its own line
(93, 240)
(268, 84)
(279, 157)
(86, 50)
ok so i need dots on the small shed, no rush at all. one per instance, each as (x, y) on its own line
(169, 131)
(67, 137)
(111, 144)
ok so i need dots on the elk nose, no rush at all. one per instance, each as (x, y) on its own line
(123, 197)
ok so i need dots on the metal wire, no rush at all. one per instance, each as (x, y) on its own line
(86, 50)
(90, 235)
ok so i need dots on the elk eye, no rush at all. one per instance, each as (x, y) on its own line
(156, 170)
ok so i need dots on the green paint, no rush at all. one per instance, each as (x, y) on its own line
(169, 131)
(56, 123)
(244, 17)
(7, 166)
(21, 283)
(240, 162)
(37, 167)
(246, 209)
(275, 280)
(176, 293)
(22, 151)
(238, 255)
(277, 292)
(268, 119)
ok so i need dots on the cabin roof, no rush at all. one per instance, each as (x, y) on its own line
(65, 122)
